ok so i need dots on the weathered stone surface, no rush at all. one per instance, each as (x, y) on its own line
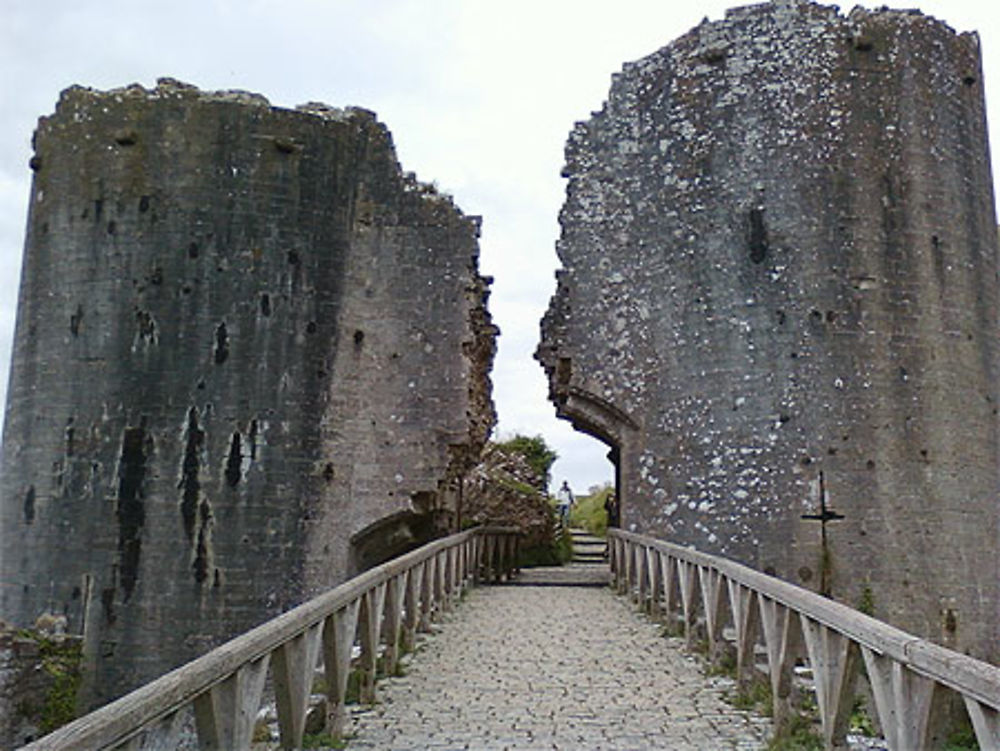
(244, 338)
(39, 676)
(779, 298)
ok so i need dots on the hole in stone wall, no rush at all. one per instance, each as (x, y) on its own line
(359, 338)
(328, 473)
(311, 327)
(293, 257)
(143, 204)
(126, 137)
(112, 226)
(870, 464)
(193, 250)
(265, 305)
(969, 80)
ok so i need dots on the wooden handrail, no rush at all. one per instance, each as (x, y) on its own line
(426, 579)
(903, 669)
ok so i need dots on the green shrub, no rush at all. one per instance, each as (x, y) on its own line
(534, 450)
(588, 512)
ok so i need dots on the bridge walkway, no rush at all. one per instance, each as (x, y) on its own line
(552, 667)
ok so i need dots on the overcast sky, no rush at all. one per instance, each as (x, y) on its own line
(479, 96)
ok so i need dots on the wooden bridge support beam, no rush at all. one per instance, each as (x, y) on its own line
(986, 723)
(293, 671)
(339, 630)
(393, 623)
(712, 592)
(833, 659)
(225, 714)
(902, 699)
(372, 603)
(782, 639)
(746, 620)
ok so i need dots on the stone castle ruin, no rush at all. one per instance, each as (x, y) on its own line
(778, 306)
(251, 357)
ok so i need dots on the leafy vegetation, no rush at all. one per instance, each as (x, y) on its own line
(588, 512)
(534, 449)
(60, 660)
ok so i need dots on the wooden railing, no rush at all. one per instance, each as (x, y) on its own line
(709, 592)
(382, 609)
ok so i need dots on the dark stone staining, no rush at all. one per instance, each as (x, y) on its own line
(252, 439)
(143, 204)
(757, 235)
(29, 505)
(98, 209)
(112, 227)
(221, 344)
(193, 250)
(108, 605)
(75, 320)
(190, 484)
(201, 559)
(265, 305)
(131, 511)
(70, 433)
(146, 326)
(233, 471)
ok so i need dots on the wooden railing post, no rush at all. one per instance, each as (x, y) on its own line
(372, 603)
(339, 630)
(781, 640)
(225, 714)
(393, 623)
(293, 666)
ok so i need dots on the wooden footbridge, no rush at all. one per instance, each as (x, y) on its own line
(363, 624)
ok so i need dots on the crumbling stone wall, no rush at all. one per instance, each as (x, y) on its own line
(244, 337)
(778, 304)
(39, 677)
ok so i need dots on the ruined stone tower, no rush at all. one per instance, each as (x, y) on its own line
(251, 356)
(778, 305)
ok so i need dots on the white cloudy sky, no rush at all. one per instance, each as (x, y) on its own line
(479, 97)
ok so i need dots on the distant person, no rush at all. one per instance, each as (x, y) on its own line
(611, 509)
(564, 496)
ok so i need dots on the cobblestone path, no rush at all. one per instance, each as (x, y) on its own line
(552, 668)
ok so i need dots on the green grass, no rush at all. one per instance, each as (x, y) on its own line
(323, 740)
(798, 734)
(754, 698)
(588, 512)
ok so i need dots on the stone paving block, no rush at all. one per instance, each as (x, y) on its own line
(553, 668)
